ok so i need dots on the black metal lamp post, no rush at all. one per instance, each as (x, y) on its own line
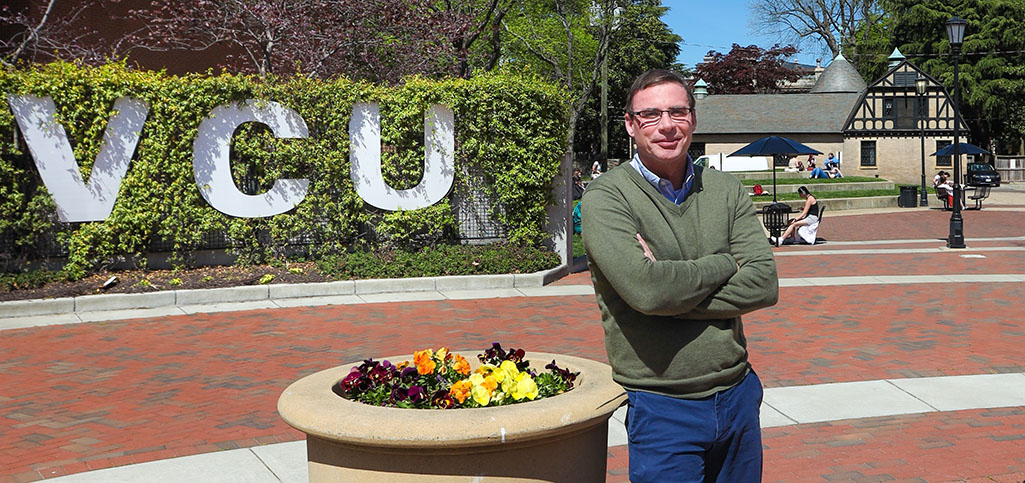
(955, 34)
(921, 83)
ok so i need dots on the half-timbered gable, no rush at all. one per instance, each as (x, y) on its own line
(892, 128)
(891, 106)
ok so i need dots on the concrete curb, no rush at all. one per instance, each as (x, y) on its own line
(253, 293)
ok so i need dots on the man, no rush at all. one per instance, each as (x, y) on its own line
(677, 254)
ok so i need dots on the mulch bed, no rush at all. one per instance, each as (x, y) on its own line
(143, 281)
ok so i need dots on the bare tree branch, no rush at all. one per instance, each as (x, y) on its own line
(830, 24)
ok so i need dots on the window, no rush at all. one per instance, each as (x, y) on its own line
(904, 79)
(942, 160)
(868, 153)
(696, 150)
(905, 113)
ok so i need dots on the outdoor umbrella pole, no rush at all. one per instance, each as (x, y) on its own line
(774, 157)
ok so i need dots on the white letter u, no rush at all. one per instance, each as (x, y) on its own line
(365, 159)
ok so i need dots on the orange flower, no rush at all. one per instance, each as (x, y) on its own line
(461, 365)
(490, 382)
(461, 390)
(424, 361)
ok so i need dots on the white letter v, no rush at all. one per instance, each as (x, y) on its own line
(48, 143)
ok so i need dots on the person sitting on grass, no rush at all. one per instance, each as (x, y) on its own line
(794, 165)
(821, 173)
(834, 171)
(806, 225)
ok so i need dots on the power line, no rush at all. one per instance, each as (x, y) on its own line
(947, 54)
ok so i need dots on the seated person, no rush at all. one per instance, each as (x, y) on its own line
(806, 225)
(794, 165)
(834, 171)
(576, 219)
(942, 183)
(832, 162)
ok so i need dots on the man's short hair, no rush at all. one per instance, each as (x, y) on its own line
(658, 76)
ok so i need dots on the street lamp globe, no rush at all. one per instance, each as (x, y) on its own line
(955, 32)
(921, 84)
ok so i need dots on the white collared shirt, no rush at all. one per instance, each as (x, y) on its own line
(665, 186)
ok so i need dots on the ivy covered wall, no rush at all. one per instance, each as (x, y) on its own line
(510, 133)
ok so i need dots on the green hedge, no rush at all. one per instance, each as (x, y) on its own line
(509, 128)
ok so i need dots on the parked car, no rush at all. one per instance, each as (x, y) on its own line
(982, 174)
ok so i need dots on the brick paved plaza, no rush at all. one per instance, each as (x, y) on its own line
(80, 397)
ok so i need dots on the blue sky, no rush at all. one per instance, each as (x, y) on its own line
(717, 25)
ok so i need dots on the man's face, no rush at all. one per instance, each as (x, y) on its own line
(662, 144)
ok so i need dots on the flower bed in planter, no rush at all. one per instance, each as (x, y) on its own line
(561, 438)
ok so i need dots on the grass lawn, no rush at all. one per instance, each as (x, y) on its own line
(809, 181)
(830, 194)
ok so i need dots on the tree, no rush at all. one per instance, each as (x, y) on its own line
(564, 40)
(640, 41)
(990, 73)
(482, 21)
(377, 40)
(41, 33)
(748, 70)
(833, 24)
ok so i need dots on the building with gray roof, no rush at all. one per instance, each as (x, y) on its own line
(881, 129)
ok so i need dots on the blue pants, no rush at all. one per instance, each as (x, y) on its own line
(717, 438)
(819, 173)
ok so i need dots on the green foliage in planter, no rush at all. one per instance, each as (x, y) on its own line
(438, 260)
(510, 133)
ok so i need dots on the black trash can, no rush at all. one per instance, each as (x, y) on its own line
(908, 197)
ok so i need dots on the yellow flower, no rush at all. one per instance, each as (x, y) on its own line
(441, 354)
(486, 369)
(480, 393)
(424, 361)
(525, 387)
(507, 370)
(506, 375)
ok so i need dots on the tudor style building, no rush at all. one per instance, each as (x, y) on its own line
(875, 130)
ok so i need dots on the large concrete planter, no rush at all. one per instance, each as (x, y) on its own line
(562, 438)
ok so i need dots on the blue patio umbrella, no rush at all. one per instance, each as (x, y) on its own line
(777, 147)
(962, 148)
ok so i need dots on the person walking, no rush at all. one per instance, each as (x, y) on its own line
(677, 255)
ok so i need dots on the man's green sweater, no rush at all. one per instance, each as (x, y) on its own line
(673, 326)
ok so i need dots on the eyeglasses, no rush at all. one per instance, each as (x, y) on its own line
(648, 117)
